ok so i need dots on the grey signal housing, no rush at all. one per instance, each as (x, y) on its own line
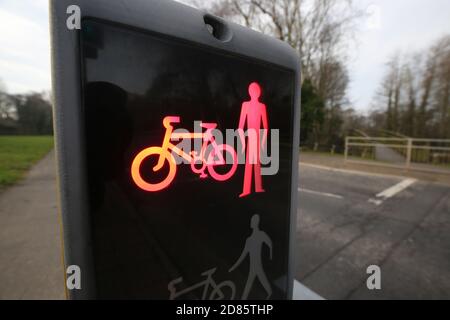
(160, 17)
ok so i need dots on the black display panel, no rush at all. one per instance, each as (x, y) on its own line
(182, 231)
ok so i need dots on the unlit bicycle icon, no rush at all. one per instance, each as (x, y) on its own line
(217, 291)
(211, 156)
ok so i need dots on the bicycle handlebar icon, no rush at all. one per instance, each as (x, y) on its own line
(216, 157)
(217, 292)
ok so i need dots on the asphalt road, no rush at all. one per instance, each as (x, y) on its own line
(343, 227)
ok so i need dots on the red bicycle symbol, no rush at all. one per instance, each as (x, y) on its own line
(210, 156)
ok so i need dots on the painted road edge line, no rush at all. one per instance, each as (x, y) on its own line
(361, 173)
(325, 194)
(392, 191)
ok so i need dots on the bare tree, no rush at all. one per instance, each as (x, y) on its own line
(388, 94)
(441, 97)
(318, 29)
(7, 109)
(409, 117)
(415, 92)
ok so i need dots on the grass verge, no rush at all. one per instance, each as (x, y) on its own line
(18, 154)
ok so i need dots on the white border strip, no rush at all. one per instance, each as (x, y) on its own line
(303, 293)
(361, 173)
(330, 195)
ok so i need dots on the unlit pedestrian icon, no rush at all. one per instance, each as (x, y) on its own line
(226, 289)
(253, 248)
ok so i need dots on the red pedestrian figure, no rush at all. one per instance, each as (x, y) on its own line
(253, 114)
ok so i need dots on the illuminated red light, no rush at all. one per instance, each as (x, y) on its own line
(215, 158)
(136, 166)
(253, 116)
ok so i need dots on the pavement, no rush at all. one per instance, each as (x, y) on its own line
(30, 247)
(350, 219)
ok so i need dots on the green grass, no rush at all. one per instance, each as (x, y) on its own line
(19, 153)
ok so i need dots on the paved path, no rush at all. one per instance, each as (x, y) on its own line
(386, 154)
(30, 250)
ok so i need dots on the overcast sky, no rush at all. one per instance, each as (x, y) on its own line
(394, 25)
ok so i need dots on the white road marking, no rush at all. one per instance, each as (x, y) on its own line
(361, 173)
(375, 201)
(392, 191)
(331, 195)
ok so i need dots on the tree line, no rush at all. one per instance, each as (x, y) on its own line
(27, 114)
(414, 96)
(412, 99)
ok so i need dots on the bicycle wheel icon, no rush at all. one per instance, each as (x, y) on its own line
(221, 161)
(215, 168)
(145, 154)
(224, 290)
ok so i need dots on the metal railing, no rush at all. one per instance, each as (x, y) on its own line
(406, 153)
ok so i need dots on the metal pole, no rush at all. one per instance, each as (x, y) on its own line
(408, 153)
